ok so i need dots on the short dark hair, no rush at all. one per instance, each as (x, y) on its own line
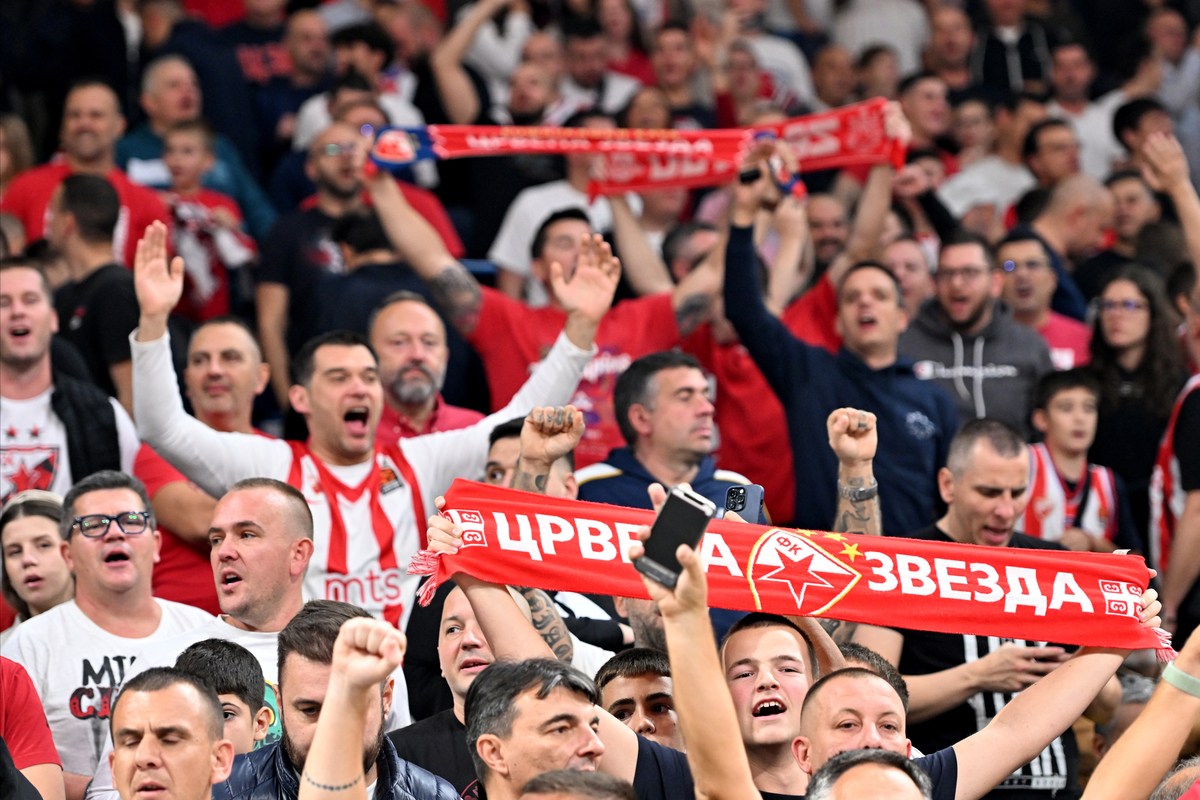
(30, 503)
(156, 679)
(909, 81)
(94, 204)
(632, 663)
(301, 513)
(579, 785)
(543, 231)
(820, 787)
(760, 619)
(29, 262)
(1181, 281)
(303, 363)
(371, 34)
(961, 237)
(580, 27)
(401, 296)
(199, 127)
(634, 385)
(311, 633)
(855, 673)
(1002, 437)
(873, 52)
(1127, 175)
(861, 265)
(1030, 205)
(490, 706)
(101, 481)
(506, 430)
(1129, 116)
(676, 239)
(1054, 382)
(1031, 144)
(362, 231)
(853, 651)
(1021, 235)
(580, 118)
(677, 25)
(228, 668)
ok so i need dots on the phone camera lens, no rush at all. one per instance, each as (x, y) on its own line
(735, 500)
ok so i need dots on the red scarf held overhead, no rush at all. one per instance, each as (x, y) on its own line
(640, 160)
(1075, 598)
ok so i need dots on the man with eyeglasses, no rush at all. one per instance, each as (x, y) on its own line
(966, 338)
(79, 652)
(1029, 284)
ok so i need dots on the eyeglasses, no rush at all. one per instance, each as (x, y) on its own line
(131, 523)
(337, 149)
(1033, 265)
(966, 274)
(1129, 306)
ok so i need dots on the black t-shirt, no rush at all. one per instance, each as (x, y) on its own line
(663, 774)
(438, 744)
(96, 315)
(1186, 442)
(1054, 773)
(1091, 273)
(428, 692)
(298, 253)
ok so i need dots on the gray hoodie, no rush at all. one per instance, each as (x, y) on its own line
(991, 374)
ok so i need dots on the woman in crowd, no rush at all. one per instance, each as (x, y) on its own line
(626, 52)
(1140, 369)
(16, 151)
(36, 577)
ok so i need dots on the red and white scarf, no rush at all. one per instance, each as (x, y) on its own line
(1077, 598)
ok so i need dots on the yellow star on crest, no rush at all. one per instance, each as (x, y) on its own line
(850, 550)
(837, 537)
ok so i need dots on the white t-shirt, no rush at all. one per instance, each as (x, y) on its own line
(990, 180)
(1098, 145)
(33, 446)
(355, 568)
(903, 25)
(76, 667)
(785, 63)
(528, 211)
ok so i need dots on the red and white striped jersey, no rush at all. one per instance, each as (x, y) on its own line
(1166, 494)
(365, 539)
(1051, 509)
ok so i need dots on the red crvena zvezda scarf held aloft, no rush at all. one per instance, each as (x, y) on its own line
(514, 537)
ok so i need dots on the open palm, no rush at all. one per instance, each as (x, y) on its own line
(590, 290)
(159, 283)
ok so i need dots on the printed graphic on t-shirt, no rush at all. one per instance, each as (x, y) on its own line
(91, 701)
(29, 466)
(594, 398)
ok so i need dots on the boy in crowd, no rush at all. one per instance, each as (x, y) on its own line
(1080, 505)
(207, 225)
(635, 687)
(236, 676)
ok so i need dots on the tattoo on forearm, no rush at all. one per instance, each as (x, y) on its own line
(691, 312)
(838, 630)
(528, 482)
(863, 517)
(549, 623)
(459, 295)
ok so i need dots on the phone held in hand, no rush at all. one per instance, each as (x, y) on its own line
(682, 520)
(746, 500)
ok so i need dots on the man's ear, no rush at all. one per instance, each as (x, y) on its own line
(54, 318)
(301, 555)
(945, 479)
(491, 749)
(620, 607)
(157, 546)
(65, 548)
(262, 378)
(639, 418)
(997, 283)
(801, 751)
(298, 397)
(571, 486)
(262, 723)
(222, 761)
(388, 693)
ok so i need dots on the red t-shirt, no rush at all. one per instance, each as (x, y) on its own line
(206, 283)
(445, 417)
(217, 13)
(751, 421)
(1069, 340)
(28, 199)
(636, 65)
(511, 338)
(183, 573)
(22, 722)
(812, 317)
(426, 204)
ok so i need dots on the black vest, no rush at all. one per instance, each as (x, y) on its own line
(91, 424)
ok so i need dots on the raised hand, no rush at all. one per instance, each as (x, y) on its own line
(589, 291)
(159, 284)
(367, 651)
(443, 535)
(852, 435)
(895, 124)
(690, 594)
(550, 433)
(1166, 165)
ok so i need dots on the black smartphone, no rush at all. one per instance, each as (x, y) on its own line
(682, 520)
(746, 500)
(750, 175)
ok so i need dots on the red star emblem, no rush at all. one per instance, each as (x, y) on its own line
(24, 479)
(10, 432)
(35, 431)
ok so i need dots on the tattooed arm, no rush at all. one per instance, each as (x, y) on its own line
(454, 288)
(549, 623)
(853, 437)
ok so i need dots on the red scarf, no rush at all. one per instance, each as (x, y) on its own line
(1073, 598)
(639, 160)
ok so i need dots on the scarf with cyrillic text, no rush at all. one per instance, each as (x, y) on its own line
(514, 537)
(637, 160)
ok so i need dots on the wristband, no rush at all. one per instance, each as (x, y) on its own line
(862, 493)
(1189, 684)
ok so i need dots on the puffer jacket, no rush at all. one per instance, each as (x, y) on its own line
(268, 774)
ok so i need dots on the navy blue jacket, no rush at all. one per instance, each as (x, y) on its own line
(621, 480)
(267, 774)
(916, 420)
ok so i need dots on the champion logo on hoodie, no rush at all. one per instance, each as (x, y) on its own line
(929, 370)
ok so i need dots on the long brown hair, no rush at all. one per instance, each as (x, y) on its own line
(26, 504)
(1160, 373)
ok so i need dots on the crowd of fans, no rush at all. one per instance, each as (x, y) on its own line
(240, 366)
